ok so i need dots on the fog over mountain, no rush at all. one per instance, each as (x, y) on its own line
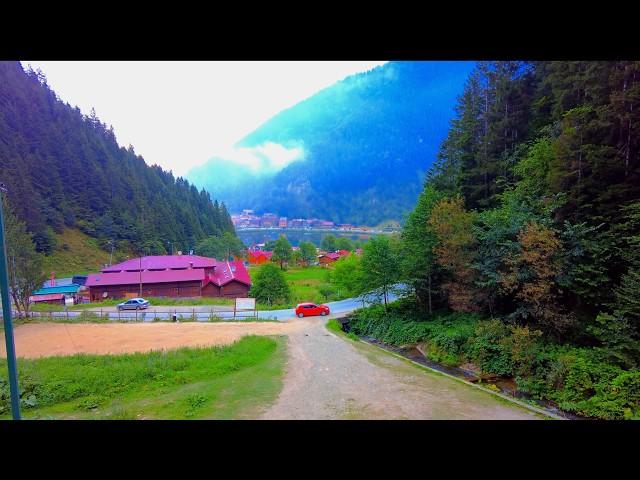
(355, 152)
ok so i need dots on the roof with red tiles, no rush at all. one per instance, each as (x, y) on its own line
(226, 272)
(260, 253)
(128, 278)
(161, 262)
(46, 298)
(223, 273)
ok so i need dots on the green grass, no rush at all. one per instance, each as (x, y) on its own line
(83, 317)
(231, 382)
(334, 326)
(77, 254)
(304, 283)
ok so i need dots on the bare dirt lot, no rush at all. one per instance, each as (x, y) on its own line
(47, 339)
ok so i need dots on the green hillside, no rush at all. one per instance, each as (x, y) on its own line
(76, 253)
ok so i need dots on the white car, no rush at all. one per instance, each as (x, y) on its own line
(134, 304)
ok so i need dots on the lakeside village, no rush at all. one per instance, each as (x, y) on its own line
(249, 220)
(175, 276)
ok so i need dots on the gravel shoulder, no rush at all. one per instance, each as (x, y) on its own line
(329, 377)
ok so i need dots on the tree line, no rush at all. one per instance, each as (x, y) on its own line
(522, 250)
(65, 169)
(531, 212)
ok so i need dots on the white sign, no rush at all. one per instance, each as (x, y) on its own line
(245, 303)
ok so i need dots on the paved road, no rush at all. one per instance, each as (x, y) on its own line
(330, 377)
(203, 313)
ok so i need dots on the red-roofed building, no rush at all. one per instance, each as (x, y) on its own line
(328, 258)
(343, 253)
(170, 276)
(258, 257)
(53, 298)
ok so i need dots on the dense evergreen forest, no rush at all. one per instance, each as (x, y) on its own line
(523, 249)
(65, 169)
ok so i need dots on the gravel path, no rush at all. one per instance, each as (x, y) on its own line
(329, 377)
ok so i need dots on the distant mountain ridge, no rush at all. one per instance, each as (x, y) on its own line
(367, 140)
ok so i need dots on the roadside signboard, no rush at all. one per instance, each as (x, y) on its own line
(245, 305)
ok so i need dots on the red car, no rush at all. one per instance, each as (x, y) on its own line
(308, 309)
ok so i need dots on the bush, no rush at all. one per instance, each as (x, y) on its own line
(488, 348)
(270, 286)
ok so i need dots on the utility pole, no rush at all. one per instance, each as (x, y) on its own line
(6, 315)
(140, 277)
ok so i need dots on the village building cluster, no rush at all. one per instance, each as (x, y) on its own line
(178, 276)
(248, 219)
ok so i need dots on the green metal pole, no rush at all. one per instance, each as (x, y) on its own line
(8, 324)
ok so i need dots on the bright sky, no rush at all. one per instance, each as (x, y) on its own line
(179, 114)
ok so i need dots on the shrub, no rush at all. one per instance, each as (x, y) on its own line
(270, 286)
(489, 348)
(525, 350)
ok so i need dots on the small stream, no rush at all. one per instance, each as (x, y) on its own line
(505, 385)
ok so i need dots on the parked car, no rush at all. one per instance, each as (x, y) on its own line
(134, 304)
(309, 309)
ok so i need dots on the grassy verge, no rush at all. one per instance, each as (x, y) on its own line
(83, 317)
(235, 381)
(334, 326)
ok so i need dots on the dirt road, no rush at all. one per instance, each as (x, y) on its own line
(333, 378)
(327, 377)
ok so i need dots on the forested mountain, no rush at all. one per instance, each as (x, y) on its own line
(367, 142)
(524, 247)
(64, 169)
(556, 144)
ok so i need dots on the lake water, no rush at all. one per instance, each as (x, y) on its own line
(251, 237)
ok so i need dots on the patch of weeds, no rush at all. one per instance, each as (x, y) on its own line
(121, 413)
(194, 402)
(90, 402)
